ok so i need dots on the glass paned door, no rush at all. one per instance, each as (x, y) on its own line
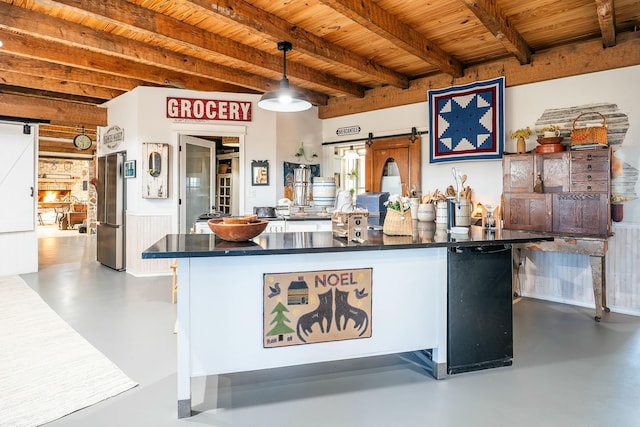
(196, 180)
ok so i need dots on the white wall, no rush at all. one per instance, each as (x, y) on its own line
(552, 276)
(294, 129)
(523, 106)
(483, 176)
(268, 136)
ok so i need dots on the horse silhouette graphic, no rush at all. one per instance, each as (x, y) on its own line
(346, 312)
(322, 314)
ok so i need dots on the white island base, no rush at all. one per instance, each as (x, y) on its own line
(220, 311)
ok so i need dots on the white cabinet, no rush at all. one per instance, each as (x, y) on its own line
(275, 227)
(309, 225)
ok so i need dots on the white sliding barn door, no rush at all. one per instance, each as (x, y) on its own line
(17, 187)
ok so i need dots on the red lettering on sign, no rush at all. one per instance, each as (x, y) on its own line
(208, 109)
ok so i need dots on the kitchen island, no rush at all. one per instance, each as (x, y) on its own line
(222, 289)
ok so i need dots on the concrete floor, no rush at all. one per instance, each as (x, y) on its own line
(568, 370)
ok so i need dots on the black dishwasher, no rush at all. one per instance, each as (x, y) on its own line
(479, 308)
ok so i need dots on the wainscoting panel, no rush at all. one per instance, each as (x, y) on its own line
(566, 278)
(143, 230)
(623, 269)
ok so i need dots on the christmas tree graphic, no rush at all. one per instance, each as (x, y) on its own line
(279, 319)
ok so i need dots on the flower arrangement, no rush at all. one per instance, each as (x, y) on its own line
(550, 128)
(394, 203)
(523, 133)
(616, 198)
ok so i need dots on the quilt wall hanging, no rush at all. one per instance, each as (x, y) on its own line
(467, 122)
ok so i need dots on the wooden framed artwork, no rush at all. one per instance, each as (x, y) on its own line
(260, 172)
(155, 161)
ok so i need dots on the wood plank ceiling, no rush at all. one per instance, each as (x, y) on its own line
(61, 59)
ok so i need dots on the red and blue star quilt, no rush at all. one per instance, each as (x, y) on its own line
(467, 122)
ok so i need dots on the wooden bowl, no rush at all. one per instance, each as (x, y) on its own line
(237, 232)
(553, 140)
(550, 148)
(240, 219)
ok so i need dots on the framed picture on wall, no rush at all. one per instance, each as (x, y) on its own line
(130, 169)
(260, 172)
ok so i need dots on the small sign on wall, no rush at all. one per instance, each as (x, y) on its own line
(316, 306)
(113, 136)
(155, 170)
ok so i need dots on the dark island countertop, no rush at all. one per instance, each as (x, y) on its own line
(209, 245)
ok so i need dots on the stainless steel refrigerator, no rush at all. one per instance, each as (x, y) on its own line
(111, 205)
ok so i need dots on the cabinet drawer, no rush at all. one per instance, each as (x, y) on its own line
(597, 155)
(590, 186)
(586, 166)
(589, 176)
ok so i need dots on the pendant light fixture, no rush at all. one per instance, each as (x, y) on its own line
(284, 99)
(351, 154)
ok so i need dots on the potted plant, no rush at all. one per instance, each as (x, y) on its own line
(550, 131)
(353, 177)
(521, 135)
(398, 203)
(300, 154)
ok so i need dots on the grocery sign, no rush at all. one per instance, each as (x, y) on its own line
(208, 109)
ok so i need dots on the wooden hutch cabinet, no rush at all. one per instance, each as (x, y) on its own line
(572, 195)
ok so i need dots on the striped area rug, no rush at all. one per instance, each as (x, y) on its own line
(47, 370)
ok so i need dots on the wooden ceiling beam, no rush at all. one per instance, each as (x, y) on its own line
(606, 19)
(62, 147)
(29, 91)
(371, 16)
(68, 74)
(128, 51)
(64, 132)
(12, 78)
(36, 108)
(199, 43)
(565, 61)
(495, 21)
(54, 51)
(277, 29)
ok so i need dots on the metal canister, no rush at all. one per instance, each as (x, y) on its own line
(301, 174)
(301, 186)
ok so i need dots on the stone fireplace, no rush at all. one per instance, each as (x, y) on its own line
(68, 181)
(48, 196)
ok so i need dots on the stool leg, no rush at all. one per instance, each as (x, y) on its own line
(174, 283)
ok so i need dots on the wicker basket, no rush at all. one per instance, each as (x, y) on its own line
(398, 223)
(590, 135)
